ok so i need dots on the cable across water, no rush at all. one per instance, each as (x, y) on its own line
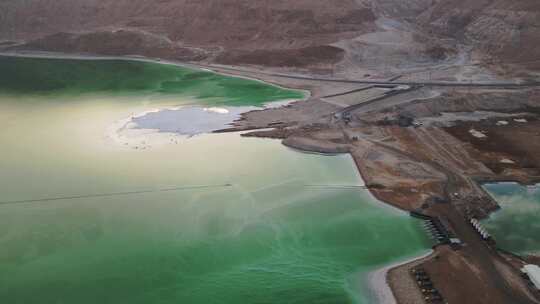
(112, 194)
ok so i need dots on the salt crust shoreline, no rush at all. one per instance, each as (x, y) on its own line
(378, 283)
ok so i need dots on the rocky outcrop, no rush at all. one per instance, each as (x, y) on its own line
(271, 33)
(282, 33)
(228, 23)
(121, 42)
(314, 56)
(501, 31)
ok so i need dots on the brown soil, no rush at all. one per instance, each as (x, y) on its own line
(502, 29)
(476, 273)
(116, 43)
(273, 33)
(404, 285)
(532, 259)
(313, 56)
(510, 151)
(224, 22)
(277, 33)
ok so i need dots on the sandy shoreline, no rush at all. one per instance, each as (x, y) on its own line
(378, 280)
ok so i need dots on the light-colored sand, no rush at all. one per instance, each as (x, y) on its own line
(378, 280)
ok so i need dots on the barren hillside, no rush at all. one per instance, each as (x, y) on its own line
(506, 31)
(410, 33)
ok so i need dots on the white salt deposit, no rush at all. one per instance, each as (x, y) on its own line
(477, 134)
(217, 110)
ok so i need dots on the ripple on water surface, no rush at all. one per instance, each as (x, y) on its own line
(516, 226)
(265, 239)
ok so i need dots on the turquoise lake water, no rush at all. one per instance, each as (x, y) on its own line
(216, 218)
(516, 227)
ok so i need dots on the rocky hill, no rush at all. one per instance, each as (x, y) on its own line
(224, 25)
(300, 33)
(504, 31)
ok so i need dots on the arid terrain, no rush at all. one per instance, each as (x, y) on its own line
(431, 98)
(347, 37)
(419, 150)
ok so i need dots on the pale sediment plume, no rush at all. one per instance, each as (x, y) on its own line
(123, 132)
(157, 127)
(189, 121)
(168, 125)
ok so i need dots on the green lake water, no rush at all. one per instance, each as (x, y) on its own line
(54, 77)
(516, 227)
(215, 218)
